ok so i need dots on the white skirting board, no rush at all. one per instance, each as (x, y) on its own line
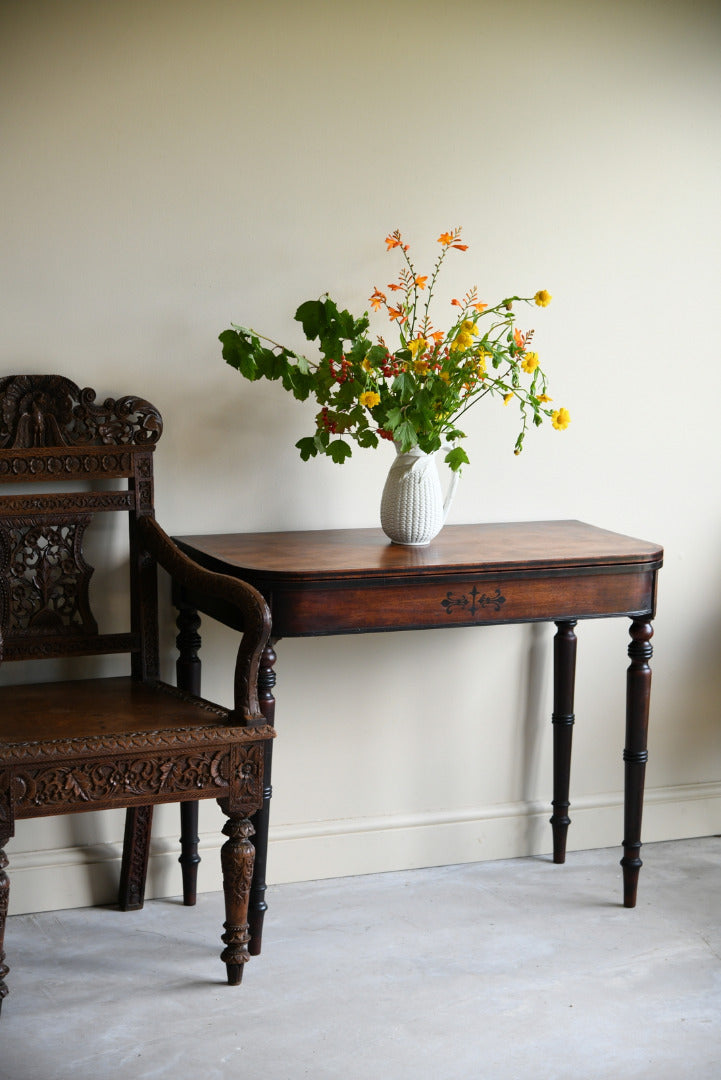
(82, 876)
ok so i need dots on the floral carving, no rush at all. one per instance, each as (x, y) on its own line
(89, 782)
(50, 410)
(105, 782)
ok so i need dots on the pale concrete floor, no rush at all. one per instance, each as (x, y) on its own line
(516, 970)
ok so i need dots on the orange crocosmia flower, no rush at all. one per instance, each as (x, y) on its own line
(393, 241)
(480, 307)
(445, 238)
(421, 281)
(437, 336)
(519, 339)
(456, 303)
(396, 313)
(377, 299)
(460, 247)
(396, 288)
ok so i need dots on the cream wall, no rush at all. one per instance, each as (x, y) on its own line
(170, 167)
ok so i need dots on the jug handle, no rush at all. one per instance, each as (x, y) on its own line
(451, 487)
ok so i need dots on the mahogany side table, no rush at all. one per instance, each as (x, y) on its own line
(355, 581)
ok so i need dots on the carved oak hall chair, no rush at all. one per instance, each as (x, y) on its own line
(128, 741)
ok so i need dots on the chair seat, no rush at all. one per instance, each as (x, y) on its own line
(116, 742)
(91, 710)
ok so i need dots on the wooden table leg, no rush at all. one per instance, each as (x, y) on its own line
(261, 820)
(564, 677)
(635, 754)
(188, 671)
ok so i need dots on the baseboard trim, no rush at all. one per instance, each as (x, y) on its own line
(306, 851)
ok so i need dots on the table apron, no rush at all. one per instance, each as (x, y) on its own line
(339, 608)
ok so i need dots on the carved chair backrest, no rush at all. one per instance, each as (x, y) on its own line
(52, 435)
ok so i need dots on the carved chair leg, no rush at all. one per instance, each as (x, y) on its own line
(635, 754)
(4, 900)
(188, 675)
(564, 674)
(261, 820)
(237, 856)
(136, 848)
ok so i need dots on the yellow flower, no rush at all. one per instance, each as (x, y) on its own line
(369, 398)
(560, 419)
(508, 398)
(421, 367)
(464, 338)
(444, 376)
(367, 364)
(530, 362)
(417, 345)
(543, 298)
(544, 397)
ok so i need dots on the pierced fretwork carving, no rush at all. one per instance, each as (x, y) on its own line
(50, 410)
(44, 578)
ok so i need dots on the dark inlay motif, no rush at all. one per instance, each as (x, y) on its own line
(473, 601)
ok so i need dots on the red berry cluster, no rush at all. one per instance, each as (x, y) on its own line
(390, 366)
(327, 421)
(383, 434)
(344, 374)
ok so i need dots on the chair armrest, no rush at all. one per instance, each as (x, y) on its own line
(254, 612)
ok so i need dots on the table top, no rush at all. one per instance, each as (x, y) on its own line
(355, 580)
(338, 553)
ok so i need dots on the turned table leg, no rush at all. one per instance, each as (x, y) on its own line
(188, 670)
(564, 676)
(635, 754)
(258, 905)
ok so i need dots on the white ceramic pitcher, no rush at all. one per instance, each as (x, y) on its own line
(413, 510)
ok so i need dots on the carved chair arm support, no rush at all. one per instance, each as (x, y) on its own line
(253, 610)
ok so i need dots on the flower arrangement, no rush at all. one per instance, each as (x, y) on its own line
(415, 393)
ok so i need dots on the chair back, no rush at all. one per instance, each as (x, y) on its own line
(52, 435)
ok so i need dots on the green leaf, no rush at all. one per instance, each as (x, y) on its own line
(307, 447)
(339, 451)
(367, 438)
(394, 417)
(456, 457)
(322, 320)
(238, 352)
(309, 315)
(272, 365)
(297, 381)
(403, 385)
(405, 434)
